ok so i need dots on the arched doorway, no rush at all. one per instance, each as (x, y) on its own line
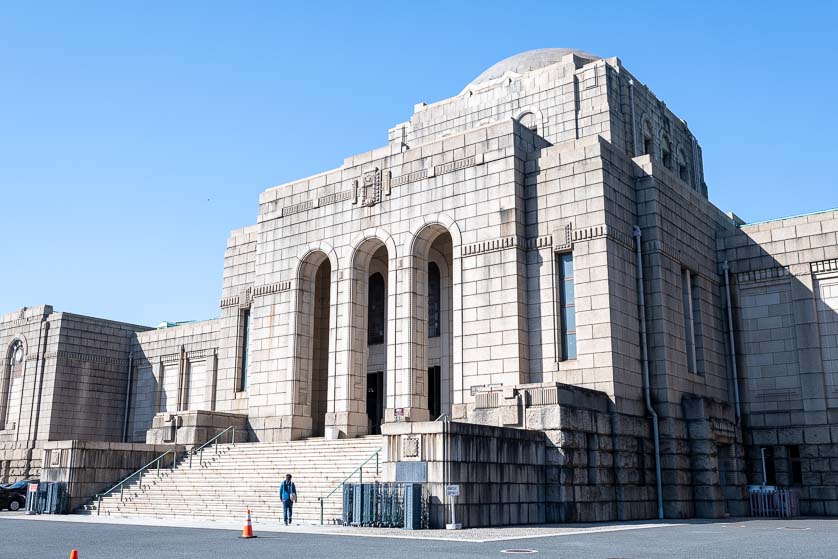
(314, 336)
(433, 262)
(371, 333)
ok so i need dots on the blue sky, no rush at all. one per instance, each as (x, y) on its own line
(135, 135)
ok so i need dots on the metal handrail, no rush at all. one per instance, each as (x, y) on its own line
(200, 449)
(121, 484)
(174, 453)
(359, 470)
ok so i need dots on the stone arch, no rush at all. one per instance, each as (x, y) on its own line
(423, 235)
(682, 164)
(532, 119)
(14, 363)
(372, 251)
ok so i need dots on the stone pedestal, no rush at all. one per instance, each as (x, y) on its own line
(499, 470)
(193, 428)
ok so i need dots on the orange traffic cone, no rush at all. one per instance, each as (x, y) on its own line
(246, 533)
(74, 554)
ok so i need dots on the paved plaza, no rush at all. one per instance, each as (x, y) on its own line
(99, 539)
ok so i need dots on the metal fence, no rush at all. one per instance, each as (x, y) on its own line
(767, 501)
(47, 498)
(385, 505)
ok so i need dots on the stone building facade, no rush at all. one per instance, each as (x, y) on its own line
(536, 252)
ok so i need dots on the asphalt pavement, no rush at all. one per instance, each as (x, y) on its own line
(744, 538)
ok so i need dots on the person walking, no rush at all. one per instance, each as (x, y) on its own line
(288, 496)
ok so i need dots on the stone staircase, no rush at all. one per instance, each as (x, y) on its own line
(234, 477)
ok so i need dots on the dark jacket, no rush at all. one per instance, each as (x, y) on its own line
(286, 490)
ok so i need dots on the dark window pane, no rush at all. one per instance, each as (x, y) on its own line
(433, 301)
(245, 350)
(567, 309)
(375, 306)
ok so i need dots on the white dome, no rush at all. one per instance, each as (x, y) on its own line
(528, 61)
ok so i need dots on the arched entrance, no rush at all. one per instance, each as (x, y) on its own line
(433, 285)
(313, 338)
(371, 333)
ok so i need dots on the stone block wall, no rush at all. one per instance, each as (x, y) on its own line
(599, 464)
(90, 372)
(499, 470)
(175, 369)
(19, 461)
(89, 468)
(783, 275)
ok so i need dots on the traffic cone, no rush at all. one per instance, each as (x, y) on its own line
(246, 533)
(74, 554)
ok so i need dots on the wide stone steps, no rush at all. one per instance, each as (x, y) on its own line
(235, 477)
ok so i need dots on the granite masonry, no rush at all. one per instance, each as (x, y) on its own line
(534, 260)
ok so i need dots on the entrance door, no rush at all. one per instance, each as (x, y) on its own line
(375, 401)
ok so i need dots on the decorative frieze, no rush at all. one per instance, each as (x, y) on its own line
(231, 301)
(536, 243)
(334, 198)
(824, 266)
(374, 185)
(458, 164)
(567, 234)
(201, 353)
(491, 246)
(271, 288)
(297, 208)
(402, 180)
(762, 275)
(170, 358)
(87, 358)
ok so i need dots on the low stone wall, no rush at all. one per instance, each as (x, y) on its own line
(193, 428)
(19, 461)
(90, 467)
(600, 464)
(499, 470)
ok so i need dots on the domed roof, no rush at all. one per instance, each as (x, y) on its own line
(527, 61)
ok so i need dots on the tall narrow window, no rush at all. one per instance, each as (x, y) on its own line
(375, 306)
(433, 300)
(14, 370)
(688, 301)
(245, 350)
(567, 305)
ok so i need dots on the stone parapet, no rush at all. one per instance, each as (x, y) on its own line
(89, 468)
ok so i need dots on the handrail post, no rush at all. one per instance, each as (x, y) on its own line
(98, 504)
(191, 454)
(321, 510)
(376, 464)
(122, 493)
(174, 460)
(158, 467)
(233, 437)
(201, 457)
(361, 474)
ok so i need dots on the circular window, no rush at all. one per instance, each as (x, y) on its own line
(17, 352)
